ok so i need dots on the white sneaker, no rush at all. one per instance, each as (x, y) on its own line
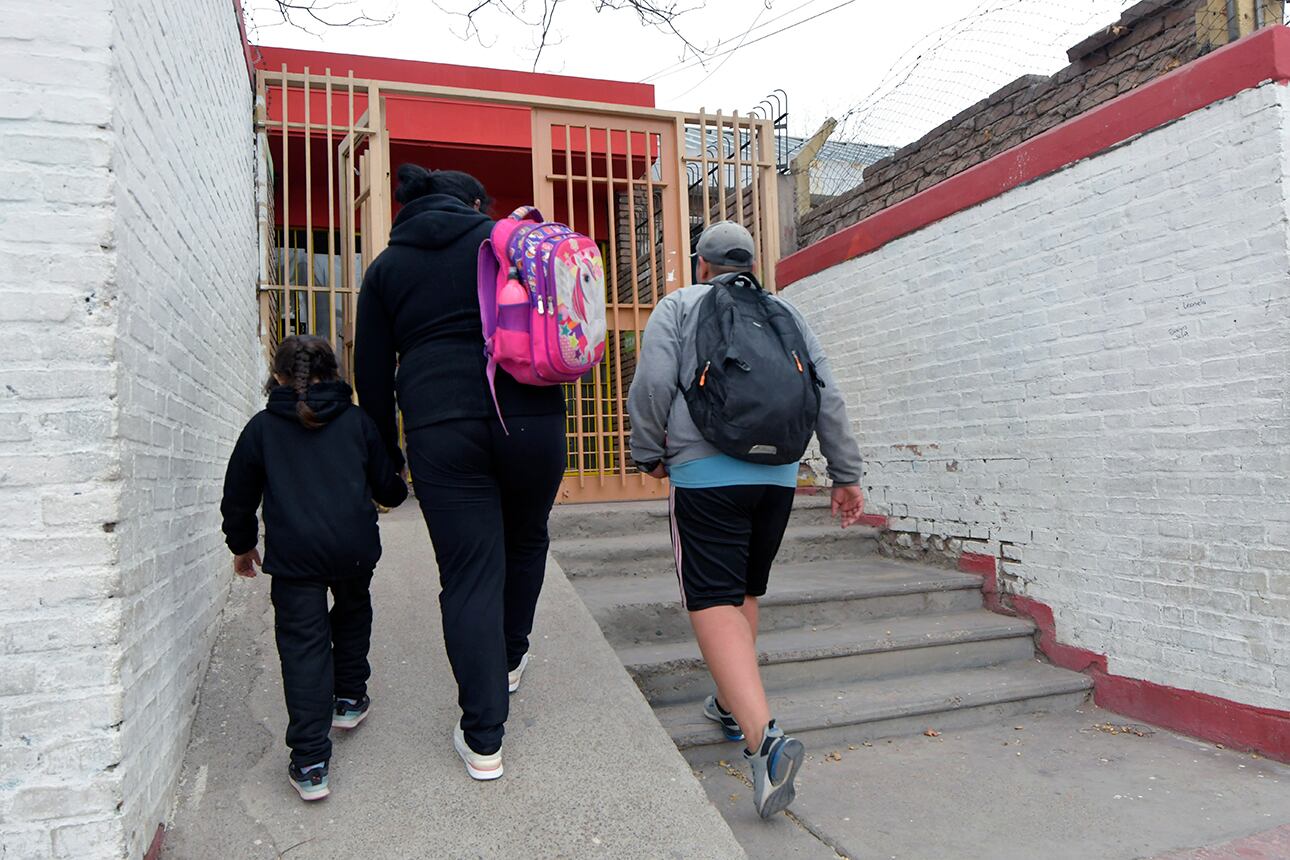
(517, 674)
(478, 766)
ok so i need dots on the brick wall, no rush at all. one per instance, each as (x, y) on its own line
(1086, 379)
(60, 694)
(1150, 39)
(189, 364)
(127, 270)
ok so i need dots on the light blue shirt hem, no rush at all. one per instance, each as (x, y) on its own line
(725, 471)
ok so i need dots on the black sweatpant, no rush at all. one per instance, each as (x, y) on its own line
(323, 654)
(486, 498)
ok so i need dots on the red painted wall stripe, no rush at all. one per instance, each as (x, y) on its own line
(1244, 64)
(986, 567)
(1200, 715)
(1244, 727)
(158, 840)
(1066, 656)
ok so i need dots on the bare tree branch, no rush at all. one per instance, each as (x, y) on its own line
(307, 14)
(662, 16)
(548, 17)
(659, 14)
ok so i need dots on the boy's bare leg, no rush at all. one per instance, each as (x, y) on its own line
(728, 643)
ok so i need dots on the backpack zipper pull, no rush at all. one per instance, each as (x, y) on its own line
(541, 310)
(798, 362)
(703, 377)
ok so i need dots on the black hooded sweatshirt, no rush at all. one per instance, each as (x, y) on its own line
(419, 311)
(317, 486)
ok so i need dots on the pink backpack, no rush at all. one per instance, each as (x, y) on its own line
(541, 300)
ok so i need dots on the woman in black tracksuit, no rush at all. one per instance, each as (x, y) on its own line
(485, 495)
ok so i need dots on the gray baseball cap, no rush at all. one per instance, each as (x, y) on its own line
(727, 244)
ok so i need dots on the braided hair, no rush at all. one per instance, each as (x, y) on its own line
(302, 359)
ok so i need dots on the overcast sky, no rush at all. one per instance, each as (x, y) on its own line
(892, 69)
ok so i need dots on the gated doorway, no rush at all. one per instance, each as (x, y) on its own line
(640, 181)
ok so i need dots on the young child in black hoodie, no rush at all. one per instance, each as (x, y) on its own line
(317, 461)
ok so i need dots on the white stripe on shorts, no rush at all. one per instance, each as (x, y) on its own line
(676, 542)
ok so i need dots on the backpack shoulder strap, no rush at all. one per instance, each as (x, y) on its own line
(716, 312)
(784, 322)
(489, 270)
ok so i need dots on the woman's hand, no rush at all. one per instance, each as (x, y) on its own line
(849, 502)
(245, 563)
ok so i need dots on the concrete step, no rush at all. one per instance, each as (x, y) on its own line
(622, 518)
(674, 672)
(598, 520)
(642, 609)
(853, 712)
(651, 552)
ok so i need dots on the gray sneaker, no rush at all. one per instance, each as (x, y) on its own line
(774, 767)
(719, 715)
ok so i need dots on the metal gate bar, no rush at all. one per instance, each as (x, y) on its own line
(731, 173)
(291, 300)
(616, 180)
(636, 180)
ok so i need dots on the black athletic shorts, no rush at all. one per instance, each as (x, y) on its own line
(725, 539)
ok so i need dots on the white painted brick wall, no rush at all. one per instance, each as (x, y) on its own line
(127, 365)
(189, 363)
(1093, 369)
(60, 693)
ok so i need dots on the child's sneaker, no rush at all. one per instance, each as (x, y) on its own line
(729, 727)
(349, 713)
(478, 766)
(774, 767)
(310, 782)
(514, 676)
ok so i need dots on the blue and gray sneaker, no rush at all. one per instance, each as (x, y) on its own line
(713, 711)
(310, 782)
(350, 713)
(774, 767)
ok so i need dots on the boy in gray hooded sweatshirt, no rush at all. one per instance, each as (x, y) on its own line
(729, 515)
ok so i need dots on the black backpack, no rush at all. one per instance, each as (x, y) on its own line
(755, 393)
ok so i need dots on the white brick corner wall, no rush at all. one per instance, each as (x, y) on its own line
(127, 366)
(60, 653)
(189, 363)
(1087, 378)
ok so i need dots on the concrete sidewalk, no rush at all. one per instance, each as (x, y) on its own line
(1061, 786)
(589, 771)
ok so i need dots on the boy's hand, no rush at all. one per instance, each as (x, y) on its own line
(245, 564)
(659, 472)
(849, 502)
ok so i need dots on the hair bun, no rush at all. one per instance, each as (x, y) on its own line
(414, 181)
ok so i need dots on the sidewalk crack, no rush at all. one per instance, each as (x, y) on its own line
(800, 822)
